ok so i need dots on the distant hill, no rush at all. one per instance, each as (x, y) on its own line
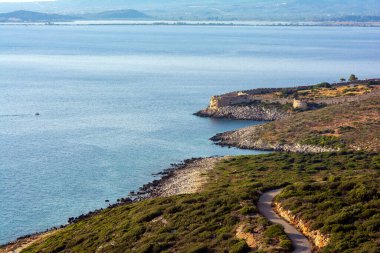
(30, 16)
(118, 14)
(223, 10)
(352, 18)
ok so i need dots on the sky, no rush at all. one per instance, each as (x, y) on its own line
(24, 1)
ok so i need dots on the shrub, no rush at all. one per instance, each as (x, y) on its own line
(240, 247)
(274, 231)
(198, 249)
(151, 215)
(248, 210)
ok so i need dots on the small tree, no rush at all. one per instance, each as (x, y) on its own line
(353, 78)
(342, 79)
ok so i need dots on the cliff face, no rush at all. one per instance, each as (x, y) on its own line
(320, 240)
(245, 112)
(244, 106)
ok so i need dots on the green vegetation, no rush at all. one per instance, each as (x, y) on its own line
(345, 205)
(322, 85)
(326, 90)
(353, 78)
(344, 188)
(324, 141)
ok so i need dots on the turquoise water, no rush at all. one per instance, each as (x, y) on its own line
(116, 103)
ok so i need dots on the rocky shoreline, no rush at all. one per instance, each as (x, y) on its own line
(246, 112)
(186, 177)
(249, 138)
(183, 178)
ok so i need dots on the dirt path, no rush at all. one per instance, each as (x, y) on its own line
(300, 243)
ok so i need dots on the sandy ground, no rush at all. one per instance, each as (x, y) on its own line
(189, 180)
(300, 243)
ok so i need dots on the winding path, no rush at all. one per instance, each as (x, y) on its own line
(300, 243)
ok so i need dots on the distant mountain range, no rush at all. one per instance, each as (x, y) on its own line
(221, 10)
(31, 16)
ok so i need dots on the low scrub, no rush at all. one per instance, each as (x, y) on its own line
(340, 200)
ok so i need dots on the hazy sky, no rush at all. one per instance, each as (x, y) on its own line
(24, 1)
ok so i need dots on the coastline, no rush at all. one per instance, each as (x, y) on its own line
(248, 23)
(253, 141)
(184, 178)
(25, 241)
(187, 177)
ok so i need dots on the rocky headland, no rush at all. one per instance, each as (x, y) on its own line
(256, 112)
(323, 118)
(269, 104)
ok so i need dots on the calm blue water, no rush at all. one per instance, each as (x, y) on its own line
(116, 103)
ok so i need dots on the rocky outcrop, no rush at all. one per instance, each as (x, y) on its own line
(299, 104)
(246, 112)
(250, 138)
(249, 238)
(320, 240)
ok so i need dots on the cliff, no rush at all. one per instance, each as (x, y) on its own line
(258, 112)
(277, 103)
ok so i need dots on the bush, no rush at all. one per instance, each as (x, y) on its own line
(151, 215)
(198, 249)
(322, 85)
(240, 247)
(274, 231)
(248, 210)
(325, 141)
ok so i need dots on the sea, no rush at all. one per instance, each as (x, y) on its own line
(89, 112)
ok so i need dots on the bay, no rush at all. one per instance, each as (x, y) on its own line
(116, 103)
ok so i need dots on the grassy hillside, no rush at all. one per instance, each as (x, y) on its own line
(354, 125)
(207, 221)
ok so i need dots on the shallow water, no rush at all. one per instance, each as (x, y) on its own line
(116, 103)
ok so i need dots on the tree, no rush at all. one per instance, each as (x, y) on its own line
(353, 78)
(342, 79)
